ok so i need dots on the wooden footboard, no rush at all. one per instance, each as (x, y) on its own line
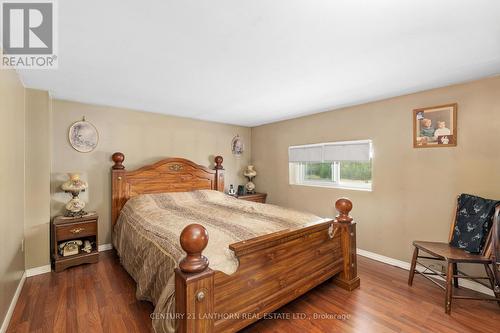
(273, 270)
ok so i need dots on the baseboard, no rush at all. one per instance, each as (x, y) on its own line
(105, 247)
(38, 270)
(12, 305)
(47, 268)
(406, 265)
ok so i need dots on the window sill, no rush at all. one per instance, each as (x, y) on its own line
(335, 186)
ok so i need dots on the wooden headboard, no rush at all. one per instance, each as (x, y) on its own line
(167, 175)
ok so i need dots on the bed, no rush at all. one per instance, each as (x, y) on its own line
(213, 263)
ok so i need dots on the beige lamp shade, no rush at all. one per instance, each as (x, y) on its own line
(250, 172)
(74, 184)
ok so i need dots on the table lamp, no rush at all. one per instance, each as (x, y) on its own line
(250, 173)
(74, 207)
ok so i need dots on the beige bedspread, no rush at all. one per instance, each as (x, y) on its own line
(146, 238)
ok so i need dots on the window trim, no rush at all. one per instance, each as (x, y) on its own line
(341, 187)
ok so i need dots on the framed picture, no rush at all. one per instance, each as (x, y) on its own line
(83, 136)
(435, 126)
(237, 146)
(241, 190)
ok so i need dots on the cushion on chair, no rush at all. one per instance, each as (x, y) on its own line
(473, 222)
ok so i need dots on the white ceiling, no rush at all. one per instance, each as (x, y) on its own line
(258, 61)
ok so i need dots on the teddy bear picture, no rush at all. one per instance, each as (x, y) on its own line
(435, 126)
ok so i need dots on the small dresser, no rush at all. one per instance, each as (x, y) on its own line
(74, 231)
(256, 197)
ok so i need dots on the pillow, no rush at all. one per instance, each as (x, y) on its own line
(473, 222)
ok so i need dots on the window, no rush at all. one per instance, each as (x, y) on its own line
(334, 164)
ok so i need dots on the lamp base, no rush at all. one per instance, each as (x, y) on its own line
(250, 187)
(69, 213)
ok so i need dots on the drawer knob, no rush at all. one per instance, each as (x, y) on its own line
(77, 230)
(200, 296)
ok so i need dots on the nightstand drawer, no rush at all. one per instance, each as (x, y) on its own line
(76, 230)
(256, 197)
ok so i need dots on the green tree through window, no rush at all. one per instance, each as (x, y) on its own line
(356, 171)
(318, 171)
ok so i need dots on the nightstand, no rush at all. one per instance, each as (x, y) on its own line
(67, 229)
(256, 197)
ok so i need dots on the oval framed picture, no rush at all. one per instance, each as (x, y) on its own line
(83, 136)
(237, 146)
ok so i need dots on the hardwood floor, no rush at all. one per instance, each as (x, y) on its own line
(101, 298)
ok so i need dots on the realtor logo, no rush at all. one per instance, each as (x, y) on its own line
(28, 35)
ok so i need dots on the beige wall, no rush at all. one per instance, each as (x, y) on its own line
(413, 189)
(38, 155)
(143, 138)
(11, 186)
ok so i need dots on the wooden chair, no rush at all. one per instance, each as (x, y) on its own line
(489, 257)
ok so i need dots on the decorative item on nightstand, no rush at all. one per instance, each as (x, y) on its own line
(241, 190)
(74, 207)
(70, 248)
(250, 173)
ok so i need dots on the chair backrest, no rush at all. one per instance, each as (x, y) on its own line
(495, 236)
(453, 220)
(495, 245)
(492, 245)
(469, 230)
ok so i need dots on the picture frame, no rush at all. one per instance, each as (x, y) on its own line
(237, 146)
(83, 136)
(435, 127)
(241, 190)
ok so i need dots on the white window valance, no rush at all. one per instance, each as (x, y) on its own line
(305, 154)
(331, 152)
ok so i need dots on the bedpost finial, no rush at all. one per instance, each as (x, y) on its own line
(194, 239)
(343, 206)
(118, 158)
(218, 162)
